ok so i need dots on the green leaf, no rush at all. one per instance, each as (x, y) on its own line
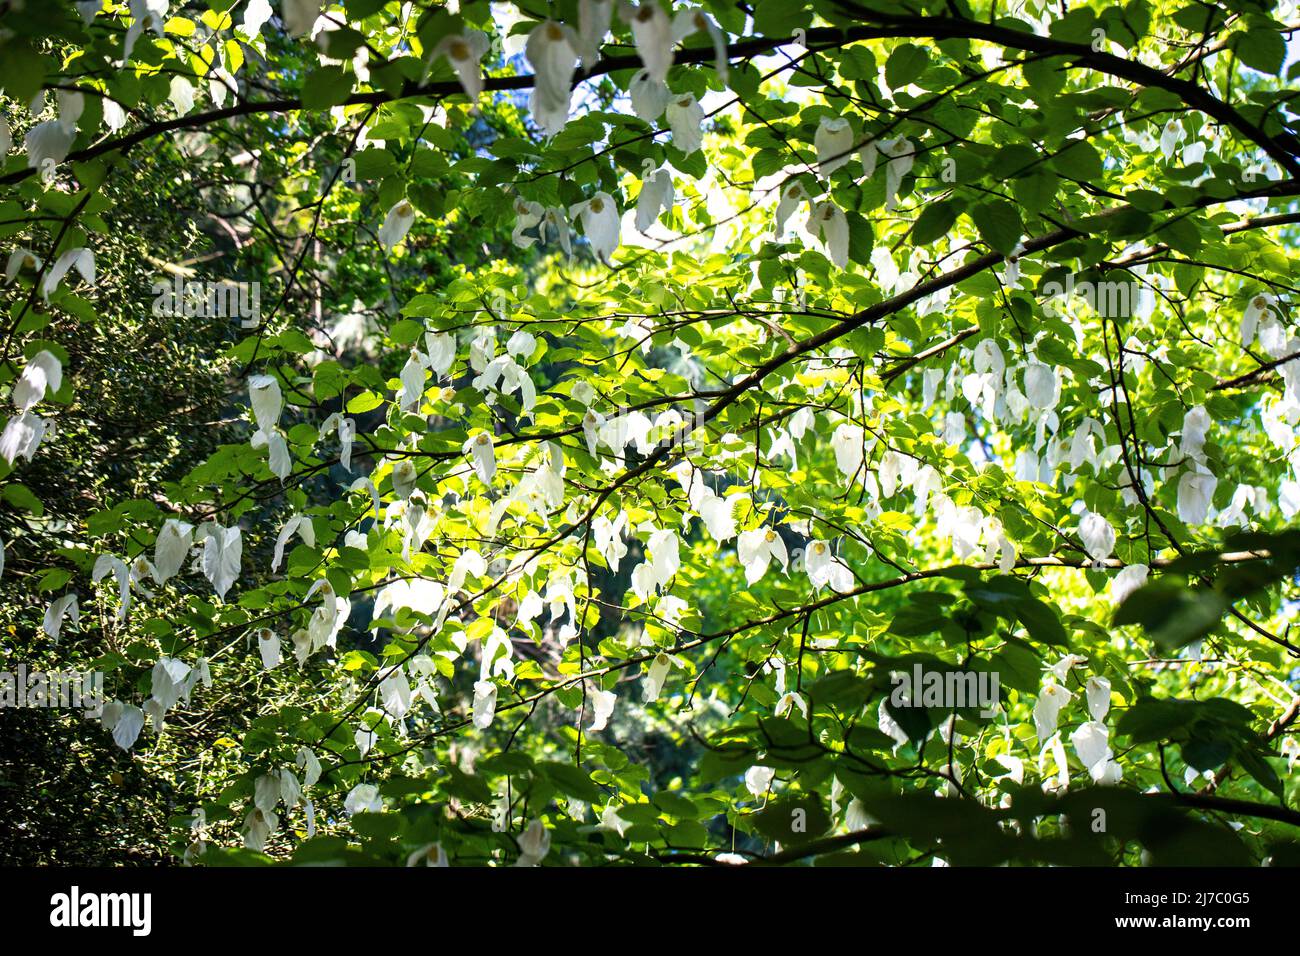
(935, 221)
(905, 65)
(999, 224)
(326, 87)
(1261, 48)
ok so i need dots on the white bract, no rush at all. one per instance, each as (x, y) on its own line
(656, 198)
(552, 51)
(834, 144)
(1047, 709)
(829, 224)
(689, 20)
(43, 373)
(1097, 534)
(755, 549)
(600, 222)
(594, 18)
(824, 568)
(649, 96)
(464, 51)
(482, 453)
(686, 121)
(397, 224)
(83, 260)
(792, 197)
(652, 33)
(1128, 580)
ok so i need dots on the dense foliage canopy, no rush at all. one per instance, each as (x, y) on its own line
(594, 432)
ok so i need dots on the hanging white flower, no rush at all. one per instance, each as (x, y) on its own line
(20, 258)
(115, 116)
(759, 779)
(404, 477)
(1261, 306)
(145, 15)
(43, 374)
(1170, 137)
(268, 647)
(256, 13)
(222, 550)
(652, 33)
(1097, 535)
(107, 564)
(997, 542)
(60, 608)
(534, 844)
(686, 121)
(656, 198)
(485, 703)
(834, 143)
(81, 259)
(412, 379)
(649, 96)
(664, 553)
(824, 568)
(1196, 424)
(607, 537)
(1091, 743)
(656, 675)
(279, 460)
(290, 788)
(1290, 749)
(480, 448)
(124, 722)
(901, 154)
(1061, 669)
(22, 436)
(363, 798)
(846, 443)
(70, 107)
(441, 351)
(755, 549)
(1041, 386)
(718, 516)
(1128, 580)
(602, 708)
(552, 51)
(1047, 709)
(1097, 691)
(266, 400)
(690, 20)
(181, 95)
(465, 51)
(396, 225)
(528, 215)
(298, 524)
(829, 224)
(395, 693)
(600, 221)
(594, 17)
(307, 761)
(792, 197)
(554, 224)
(521, 344)
(1195, 494)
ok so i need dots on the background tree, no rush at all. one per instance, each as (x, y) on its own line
(627, 398)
